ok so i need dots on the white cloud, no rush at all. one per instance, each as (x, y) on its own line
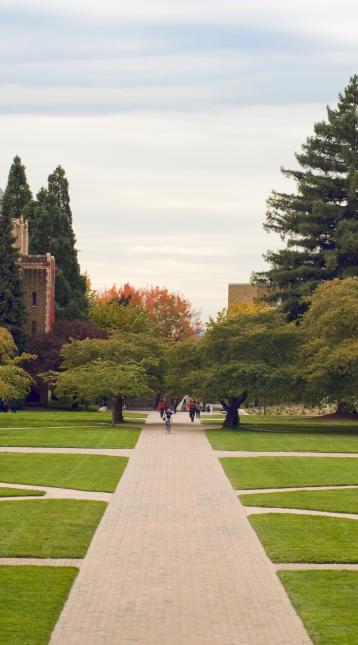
(326, 18)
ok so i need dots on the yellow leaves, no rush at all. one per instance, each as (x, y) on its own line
(7, 345)
(14, 381)
(240, 307)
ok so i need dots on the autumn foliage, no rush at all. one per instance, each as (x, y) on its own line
(169, 312)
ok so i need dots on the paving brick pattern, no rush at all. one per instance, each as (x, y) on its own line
(174, 560)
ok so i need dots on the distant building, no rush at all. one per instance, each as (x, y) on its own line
(245, 292)
(38, 276)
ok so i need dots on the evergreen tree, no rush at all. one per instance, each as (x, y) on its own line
(320, 220)
(18, 194)
(12, 308)
(58, 184)
(50, 223)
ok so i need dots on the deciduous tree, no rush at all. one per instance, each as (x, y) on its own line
(252, 354)
(14, 381)
(138, 357)
(170, 313)
(329, 358)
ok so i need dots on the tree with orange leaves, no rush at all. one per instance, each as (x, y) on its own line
(170, 313)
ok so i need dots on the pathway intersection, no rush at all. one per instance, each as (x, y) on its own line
(175, 560)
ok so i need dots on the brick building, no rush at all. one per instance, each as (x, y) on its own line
(38, 275)
(245, 292)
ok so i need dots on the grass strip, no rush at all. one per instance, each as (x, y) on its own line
(20, 492)
(31, 599)
(307, 538)
(327, 602)
(286, 472)
(336, 501)
(81, 437)
(83, 472)
(50, 528)
(40, 418)
(285, 438)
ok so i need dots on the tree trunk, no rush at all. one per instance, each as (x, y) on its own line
(117, 410)
(232, 419)
(345, 408)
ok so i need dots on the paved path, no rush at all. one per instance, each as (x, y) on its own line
(55, 493)
(253, 491)
(42, 562)
(259, 510)
(303, 566)
(175, 561)
(281, 453)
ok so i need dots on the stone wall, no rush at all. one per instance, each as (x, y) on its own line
(38, 274)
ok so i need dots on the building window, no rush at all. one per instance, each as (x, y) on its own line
(33, 327)
(34, 298)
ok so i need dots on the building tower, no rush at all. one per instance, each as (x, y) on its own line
(38, 277)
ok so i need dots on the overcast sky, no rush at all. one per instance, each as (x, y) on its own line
(171, 119)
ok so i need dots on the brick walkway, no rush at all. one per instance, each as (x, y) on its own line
(175, 561)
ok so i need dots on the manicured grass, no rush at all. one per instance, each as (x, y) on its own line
(307, 538)
(327, 602)
(286, 472)
(81, 437)
(49, 418)
(318, 437)
(49, 528)
(31, 599)
(337, 501)
(288, 423)
(84, 472)
(19, 492)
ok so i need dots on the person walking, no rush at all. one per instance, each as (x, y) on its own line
(197, 410)
(174, 405)
(162, 407)
(192, 408)
(168, 420)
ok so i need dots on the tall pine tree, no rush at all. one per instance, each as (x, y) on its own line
(12, 308)
(18, 194)
(50, 224)
(58, 184)
(319, 222)
(14, 204)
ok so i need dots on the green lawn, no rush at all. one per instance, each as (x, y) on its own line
(31, 599)
(327, 602)
(81, 437)
(286, 472)
(84, 472)
(49, 528)
(286, 422)
(338, 501)
(19, 492)
(288, 436)
(49, 418)
(307, 538)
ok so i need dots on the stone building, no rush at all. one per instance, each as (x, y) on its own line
(38, 275)
(245, 292)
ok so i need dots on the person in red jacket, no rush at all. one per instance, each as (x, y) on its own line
(162, 407)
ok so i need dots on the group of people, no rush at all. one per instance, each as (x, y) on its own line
(194, 408)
